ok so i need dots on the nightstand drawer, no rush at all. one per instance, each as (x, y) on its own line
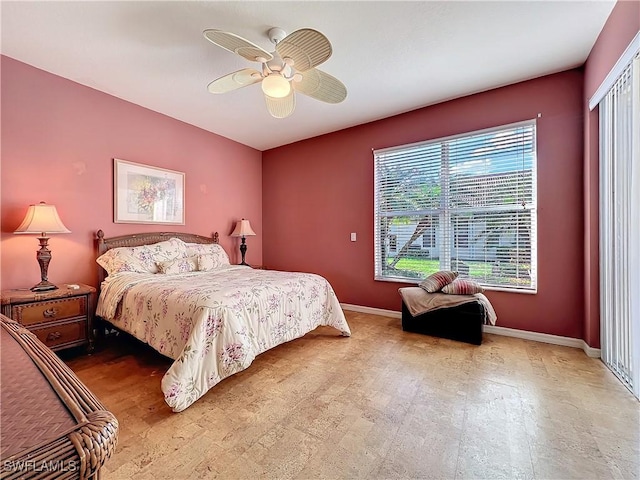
(62, 333)
(49, 310)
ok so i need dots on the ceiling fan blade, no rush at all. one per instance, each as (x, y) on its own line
(237, 44)
(321, 86)
(235, 80)
(281, 107)
(308, 48)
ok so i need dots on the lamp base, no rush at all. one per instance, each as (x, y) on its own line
(44, 286)
(243, 251)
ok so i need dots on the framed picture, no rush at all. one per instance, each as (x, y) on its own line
(144, 194)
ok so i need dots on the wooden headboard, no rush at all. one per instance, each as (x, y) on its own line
(137, 239)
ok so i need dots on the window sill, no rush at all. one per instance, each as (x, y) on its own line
(487, 288)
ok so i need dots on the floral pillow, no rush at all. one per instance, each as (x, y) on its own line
(167, 250)
(436, 281)
(215, 250)
(178, 265)
(123, 259)
(462, 286)
(209, 262)
(141, 259)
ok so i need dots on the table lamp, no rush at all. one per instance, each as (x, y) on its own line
(42, 219)
(243, 229)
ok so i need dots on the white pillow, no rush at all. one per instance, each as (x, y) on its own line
(209, 262)
(213, 249)
(125, 259)
(178, 265)
(144, 258)
(167, 250)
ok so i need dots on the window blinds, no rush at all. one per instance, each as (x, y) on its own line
(475, 193)
(620, 227)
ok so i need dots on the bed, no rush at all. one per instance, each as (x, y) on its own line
(52, 425)
(210, 317)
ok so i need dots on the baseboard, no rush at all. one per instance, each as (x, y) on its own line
(590, 351)
(504, 331)
(544, 338)
(371, 310)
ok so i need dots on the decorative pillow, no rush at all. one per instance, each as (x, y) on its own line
(167, 250)
(213, 249)
(178, 265)
(434, 282)
(142, 259)
(122, 259)
(146, 256)
(209, 262)
(462, 286)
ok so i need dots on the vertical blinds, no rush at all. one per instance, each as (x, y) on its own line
(620, 227)
(474, 192)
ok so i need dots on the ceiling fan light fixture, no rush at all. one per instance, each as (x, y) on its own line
(305, 48)
(276, 86)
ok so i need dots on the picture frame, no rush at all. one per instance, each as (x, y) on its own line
(146, 194)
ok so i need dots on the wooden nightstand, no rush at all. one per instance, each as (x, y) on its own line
(60, 318)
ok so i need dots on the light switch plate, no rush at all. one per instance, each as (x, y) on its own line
(353, 236)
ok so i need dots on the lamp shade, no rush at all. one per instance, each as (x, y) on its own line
(243, 229)
(42, 219)
(276, 86)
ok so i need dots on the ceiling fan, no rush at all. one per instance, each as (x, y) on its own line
(290, 68)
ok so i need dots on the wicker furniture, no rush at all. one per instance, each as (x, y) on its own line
(60, 318)
(52, 425)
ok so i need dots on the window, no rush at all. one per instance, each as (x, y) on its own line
(461, 233)
(475, 193)
(429, 238)
(393, 243)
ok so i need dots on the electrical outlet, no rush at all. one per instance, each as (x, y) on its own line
(353, 236)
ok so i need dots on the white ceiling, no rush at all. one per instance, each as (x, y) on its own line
(392, 56)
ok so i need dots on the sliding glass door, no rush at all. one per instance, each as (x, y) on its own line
(620, 227)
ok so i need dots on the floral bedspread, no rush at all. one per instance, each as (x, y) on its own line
(213, 324)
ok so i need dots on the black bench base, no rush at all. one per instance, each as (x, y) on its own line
(462, 323)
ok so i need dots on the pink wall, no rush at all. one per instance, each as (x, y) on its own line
(316, 192)
(621, 27)
(59, 139)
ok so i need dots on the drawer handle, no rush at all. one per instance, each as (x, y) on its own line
(53, 336)
(50, 312)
